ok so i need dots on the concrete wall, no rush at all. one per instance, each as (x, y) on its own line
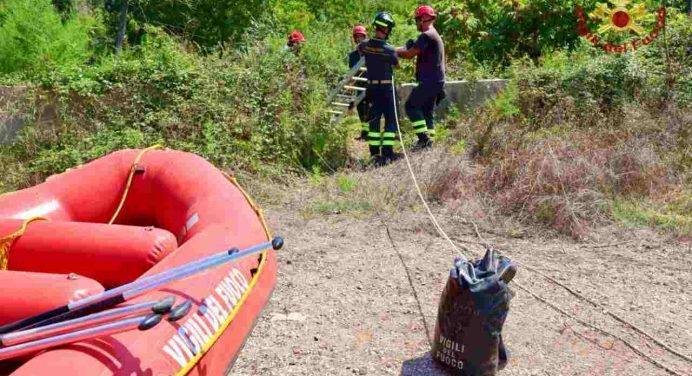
(19, 105)
(11, 116)
(467, 95)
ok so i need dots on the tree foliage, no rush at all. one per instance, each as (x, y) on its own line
(500, 30)
(33, 37)
(208, 23)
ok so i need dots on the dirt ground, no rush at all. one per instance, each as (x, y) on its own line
(343, 304)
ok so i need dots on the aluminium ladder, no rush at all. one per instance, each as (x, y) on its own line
(346, 95)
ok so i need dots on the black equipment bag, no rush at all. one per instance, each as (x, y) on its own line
(473, 308)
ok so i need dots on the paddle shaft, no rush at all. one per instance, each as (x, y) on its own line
(14, 338)
(146, 280)
(93, 332)
(142, 288)
(122, 293)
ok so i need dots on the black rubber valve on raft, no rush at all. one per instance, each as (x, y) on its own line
(164, 305)
(150, 321)
(180, 311)
(277, 243)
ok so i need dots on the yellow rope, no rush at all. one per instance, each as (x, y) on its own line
(6, 242)
(252, 203)
(133, 169)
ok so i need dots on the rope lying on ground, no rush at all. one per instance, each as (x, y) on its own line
(602, 308)
(410, 281)
(598, 329)
(593, 303)
(611, 314)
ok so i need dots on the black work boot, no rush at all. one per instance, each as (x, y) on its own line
(375, 155)
(424, 142)
(387, 154)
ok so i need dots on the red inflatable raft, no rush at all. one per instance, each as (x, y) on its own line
(167, 208)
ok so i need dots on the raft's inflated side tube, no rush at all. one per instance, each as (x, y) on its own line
(185, 195)
(25, 294)
(111, 254)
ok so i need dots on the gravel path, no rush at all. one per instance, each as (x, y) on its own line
(343, 304)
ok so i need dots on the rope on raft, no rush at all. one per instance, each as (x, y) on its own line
(131, 176)
(7, 241)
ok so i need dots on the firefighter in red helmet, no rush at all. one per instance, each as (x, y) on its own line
(295, 38)
(360, 34)
(429, 52)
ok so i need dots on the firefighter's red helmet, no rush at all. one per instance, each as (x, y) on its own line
(425, 10)
(360, 30)
(296, 37)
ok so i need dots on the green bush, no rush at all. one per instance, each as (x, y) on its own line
(254, 109)
(591, 85)
(34, 39)
(677, 63)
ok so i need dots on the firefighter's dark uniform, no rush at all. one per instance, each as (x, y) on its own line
(364, 106)
(430, 74)
(380, 58)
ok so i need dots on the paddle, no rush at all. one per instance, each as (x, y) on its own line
(161, 307)
(145, 322)
(128, 291)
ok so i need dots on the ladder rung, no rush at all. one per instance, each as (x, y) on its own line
(335, 112)
(349, 87)
(341, 104)
(349, 97)
(363, 69)
(362, 79)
